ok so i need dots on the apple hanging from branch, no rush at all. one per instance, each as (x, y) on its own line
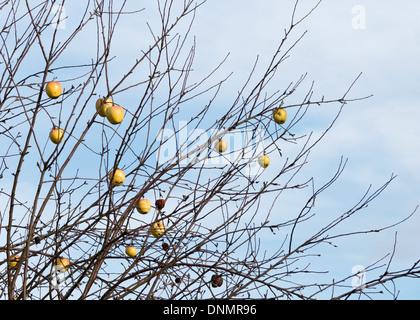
(131, 251)
(157, 229)
(102, 104)
(62, 264)
(53, 89)
(117, 178)
(14, 261)
(56, 135)
(143, 206)
(280, 115)
(160, 204)
(221, 145)
(263, 161)
(115, 114)
(216, 281)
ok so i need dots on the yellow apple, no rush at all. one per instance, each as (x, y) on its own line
(143, 206)
(118, 178)
(62, 264)
(56, 135)
(263, 161)
(115, 114)
(102, 104)
(157, 229)
(14, 261)
(131, 251)
(221, 146)
(53, 89)
(280, 115)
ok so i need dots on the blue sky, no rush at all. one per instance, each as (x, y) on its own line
(379, 136)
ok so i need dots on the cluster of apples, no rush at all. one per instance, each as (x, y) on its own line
(279, 117)
(104, 106)
(115, 115)
(143, 206)
(157, 229)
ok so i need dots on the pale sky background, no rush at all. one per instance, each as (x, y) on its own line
(379, 136)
